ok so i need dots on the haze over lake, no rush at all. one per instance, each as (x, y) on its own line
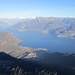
(40, 40)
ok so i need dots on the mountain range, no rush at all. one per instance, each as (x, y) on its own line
(60, 27)
(29, 59)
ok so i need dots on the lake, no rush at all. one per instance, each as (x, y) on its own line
(39, 40)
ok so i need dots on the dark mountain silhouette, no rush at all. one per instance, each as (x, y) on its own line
(6, 57)
(62, 64)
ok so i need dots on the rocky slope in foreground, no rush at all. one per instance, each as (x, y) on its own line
(9, 44)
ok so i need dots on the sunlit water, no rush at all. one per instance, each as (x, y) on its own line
(39, 40)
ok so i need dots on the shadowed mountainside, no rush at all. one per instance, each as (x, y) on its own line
(54, 63)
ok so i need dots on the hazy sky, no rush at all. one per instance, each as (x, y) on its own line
(32, 8)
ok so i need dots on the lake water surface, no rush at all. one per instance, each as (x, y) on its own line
(39, 40)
